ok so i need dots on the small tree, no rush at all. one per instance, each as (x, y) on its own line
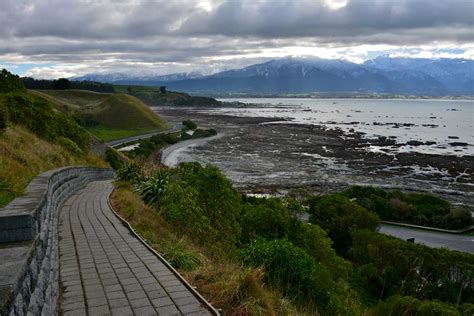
(163, 89)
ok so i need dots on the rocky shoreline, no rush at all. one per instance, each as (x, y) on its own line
(267, 155)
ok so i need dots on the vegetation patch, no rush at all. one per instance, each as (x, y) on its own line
(413, 208)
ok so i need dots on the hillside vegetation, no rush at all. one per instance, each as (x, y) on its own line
(107, 116)
(35, 137)
(253, 256)
(159, 96)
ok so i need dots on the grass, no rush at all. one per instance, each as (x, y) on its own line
(113, 116)
(23, 155)
(226, 284)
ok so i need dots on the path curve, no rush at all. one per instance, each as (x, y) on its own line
(117, 142)
(106, 270)
(464, 243)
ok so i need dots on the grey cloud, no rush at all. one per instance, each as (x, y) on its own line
(180, 31)
(286, 18)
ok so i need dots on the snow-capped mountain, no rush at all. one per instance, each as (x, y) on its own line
(384, 74)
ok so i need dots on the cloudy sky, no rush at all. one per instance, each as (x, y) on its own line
(63, 38)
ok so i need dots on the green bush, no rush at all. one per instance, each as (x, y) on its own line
(113, 158)
(295, 273)
(340, 217)
(3, 118)
(269, 219)
(131, 172)
(10, 82)
(152, 188)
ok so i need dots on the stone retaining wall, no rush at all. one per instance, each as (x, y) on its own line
(29, 267)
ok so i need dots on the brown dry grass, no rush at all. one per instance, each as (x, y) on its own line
(23, 156)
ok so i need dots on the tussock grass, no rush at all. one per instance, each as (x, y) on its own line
(237, 290)
(23, 155)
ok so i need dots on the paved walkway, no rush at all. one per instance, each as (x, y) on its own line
(104, 269)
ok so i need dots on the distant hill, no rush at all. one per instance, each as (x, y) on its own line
(106, 115)
(154, 96)
(386, 75)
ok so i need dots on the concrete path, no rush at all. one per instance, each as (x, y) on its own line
(457, 242)
(105, 270)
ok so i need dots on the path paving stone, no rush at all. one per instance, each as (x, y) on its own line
(105, 270)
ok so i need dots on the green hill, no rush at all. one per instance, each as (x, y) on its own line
(155, 96)
(35, 137)
(108, 116)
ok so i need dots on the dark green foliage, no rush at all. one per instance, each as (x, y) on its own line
(387, 266)
(413, 208)
(3, 118)
(268, 219)
(201, 201)
(294, 272)
(113, 158)
(150, 145)
(340, 217)
(189, 125)
(272, 219)
(10, 82)
(163, 89)
(42, 84)
(152, 188)
(61, 84)
(37, 115)
(131, 172)
(407, 305)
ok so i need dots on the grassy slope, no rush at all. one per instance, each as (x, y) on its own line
(23, 155)
(237, 290)
(153, 97)
(119, 115)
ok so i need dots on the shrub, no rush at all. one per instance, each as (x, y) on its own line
(268, 219)
(3, 118)
(131, 172)
(113, 158)
(10, 82)
(152, 188)
(340, 217)
(295, 273)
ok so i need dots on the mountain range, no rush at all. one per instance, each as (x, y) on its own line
(384, 74)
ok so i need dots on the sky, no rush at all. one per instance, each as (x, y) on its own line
(65, 38)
